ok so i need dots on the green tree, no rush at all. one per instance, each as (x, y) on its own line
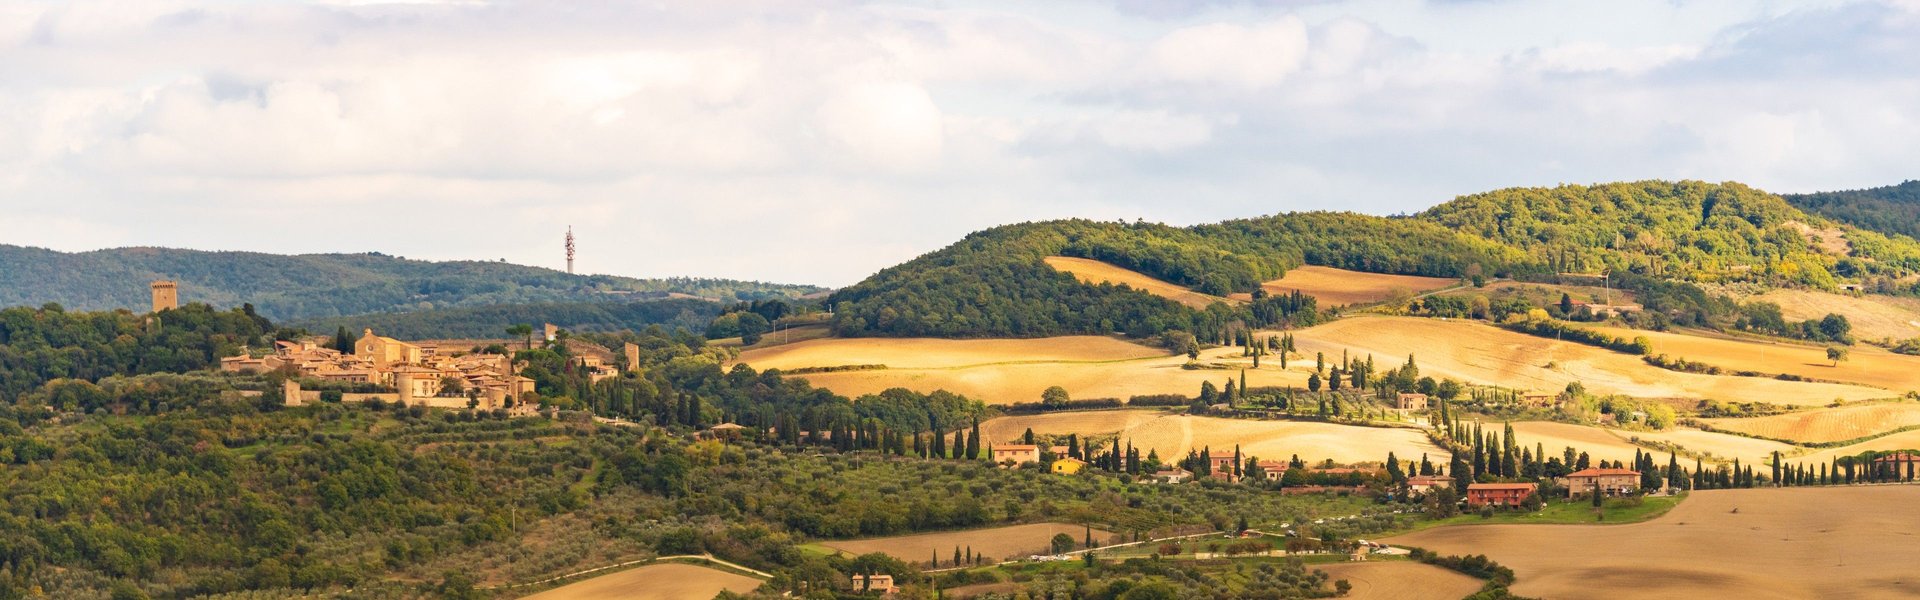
(1837, 354)
(525, 331)
(1062, 543)
(1054, 397)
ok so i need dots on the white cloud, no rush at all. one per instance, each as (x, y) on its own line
(820, 141)
(1226, 53)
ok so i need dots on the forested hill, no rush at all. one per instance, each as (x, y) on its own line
(1893, 209)
(313, 286)
(994, 283)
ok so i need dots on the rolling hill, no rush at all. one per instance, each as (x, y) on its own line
(304, 287)
(1893, 209)
(998, 283)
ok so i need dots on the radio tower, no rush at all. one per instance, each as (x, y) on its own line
(569, 249)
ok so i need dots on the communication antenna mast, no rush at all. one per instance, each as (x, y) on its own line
(569, 249)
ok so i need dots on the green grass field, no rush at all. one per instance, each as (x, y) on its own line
(1566, 512)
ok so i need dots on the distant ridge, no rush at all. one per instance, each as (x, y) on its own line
(315, 286)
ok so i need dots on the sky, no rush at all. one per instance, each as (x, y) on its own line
(816, 142)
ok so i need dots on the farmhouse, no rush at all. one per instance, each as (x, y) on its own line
(1270, 469)
(1421, 484)
(1173, 476)
(1067, 466)
(1023, 453)
(874, 583)
(1499, 494)
(1410, 401)
(1608, 481)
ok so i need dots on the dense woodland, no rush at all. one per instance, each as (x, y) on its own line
(314, 286)
(1654, 236)
(1892, 210)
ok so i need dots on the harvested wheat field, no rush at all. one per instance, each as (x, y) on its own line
(1339, 287)
(664, 581)
(1004, 371)
(997, 543)
(1600, 443)
(1852, 542)
(1400, 580)
(1479, 353)
(1172, 435)
(1722, 446)
(1096, 272)
(1873, 317)
(1826, 424)
(1866, 365)
(1905, 440)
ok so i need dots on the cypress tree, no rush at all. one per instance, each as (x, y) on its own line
(973, 442)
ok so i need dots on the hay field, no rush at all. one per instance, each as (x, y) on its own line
(1867, 365)
(1480, 353)
(1093, 271)
(1609, 444)
(1004, 371)
(1400, 580)
(1827, 424)
(1172, 435)
(1873, 317)
(1338, 287)
(1905, 440)
(664, 581)
(996, 543)
(1756, 544)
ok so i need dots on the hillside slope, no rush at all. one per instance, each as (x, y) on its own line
(320, 285)
(1893, 209)
(996, 283)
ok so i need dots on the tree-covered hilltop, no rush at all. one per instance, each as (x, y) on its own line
(1892, 210)
(995, 283)
(483, 322)
(323, 285)
(1689, 231)
(38, 345)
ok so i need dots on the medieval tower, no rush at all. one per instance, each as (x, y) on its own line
(166, 295)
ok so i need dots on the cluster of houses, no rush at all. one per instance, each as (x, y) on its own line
(440, 375)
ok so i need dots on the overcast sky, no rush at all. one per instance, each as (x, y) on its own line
(816, 142)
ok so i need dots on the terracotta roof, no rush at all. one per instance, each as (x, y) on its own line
(1012, 447)
(1603, 472)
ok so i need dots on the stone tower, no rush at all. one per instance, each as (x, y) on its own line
(166, 295)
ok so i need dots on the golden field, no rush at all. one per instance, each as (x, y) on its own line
(1479, 353)
(1400, 580)
(1004, 371)
(1096, 272)
(1866, 366)
(1339, 287)
(996, 543)
(1827, 424)
(1612, 444)
(1172, 435)
(1755, 544)
(664, 581)
(1873, 317)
